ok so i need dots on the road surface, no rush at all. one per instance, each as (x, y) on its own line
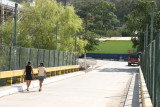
(103, 87)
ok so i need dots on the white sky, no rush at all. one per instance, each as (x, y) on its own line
(8, 2)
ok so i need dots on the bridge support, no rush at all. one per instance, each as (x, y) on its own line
(58, 72)
(63, 72)
(66, 71)
(19, 79)
(48, 74)
(36, 76)
(69, 70)
(53, 73)
(9, 81)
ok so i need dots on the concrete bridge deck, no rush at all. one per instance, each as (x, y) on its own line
(106, 86)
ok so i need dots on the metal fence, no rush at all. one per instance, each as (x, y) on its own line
(109, 56)
(150, 65)
(15, 58)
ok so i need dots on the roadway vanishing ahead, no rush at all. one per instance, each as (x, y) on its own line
(104, 86)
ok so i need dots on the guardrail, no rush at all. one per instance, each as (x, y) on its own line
(145, 97)
(150, 65)
(51, 71)
(16, 58)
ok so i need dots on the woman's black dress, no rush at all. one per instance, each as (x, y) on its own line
(28, 73)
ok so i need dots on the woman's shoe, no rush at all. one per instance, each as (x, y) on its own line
(40, 89)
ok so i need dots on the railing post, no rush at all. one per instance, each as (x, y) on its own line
(44, 56)
(30, 54)
(20, 58)
(157, 79)
(37, 56)
(49, 59)
(55, 55)
(10, 57)
(63, 59)
(58, 58)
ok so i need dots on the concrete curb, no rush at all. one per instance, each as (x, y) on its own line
(146, 101)
(35, 83)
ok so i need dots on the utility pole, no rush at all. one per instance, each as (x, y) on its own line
(65, 3)
(152, 22)
(15, 24)
(146, 35)
(15, 34)
(55, 54)
(56, 35)
(144, 41)
(76, 48)
(76, 42)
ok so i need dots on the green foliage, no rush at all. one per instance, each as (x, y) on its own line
(103, 17)
(98, 18)
(7, 33)
(125, 33)
(158, 4)
(37, 26)
(92, 42)
(139, 18)
(124, 7)
(114, 33)
(114, 47)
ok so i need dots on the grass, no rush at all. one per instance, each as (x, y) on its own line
(114, 47)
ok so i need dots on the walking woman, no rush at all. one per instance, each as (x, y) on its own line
(41, 75)
(28, 71)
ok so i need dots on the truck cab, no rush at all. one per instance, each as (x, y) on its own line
(133, 59)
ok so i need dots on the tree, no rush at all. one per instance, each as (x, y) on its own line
(158, 4)
(37, 26)
(103, 17)
(7, 33)
(98, 17)
(124, 7)
(139, 18)
(83, 9)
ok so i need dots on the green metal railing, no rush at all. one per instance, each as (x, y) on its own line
(150, 65)
(15, 58)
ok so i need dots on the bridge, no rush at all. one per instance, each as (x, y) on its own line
(6, 10)
(109, 84)
(105, 83)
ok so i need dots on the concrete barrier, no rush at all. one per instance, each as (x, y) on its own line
(51, 71)
(145, 97)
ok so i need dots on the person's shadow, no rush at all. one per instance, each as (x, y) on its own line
(28, 91)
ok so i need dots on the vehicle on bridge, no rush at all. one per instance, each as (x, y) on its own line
(133, 59)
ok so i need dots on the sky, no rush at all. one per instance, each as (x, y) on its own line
(8, 2)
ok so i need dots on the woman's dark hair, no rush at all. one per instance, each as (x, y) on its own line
(29, 63)
(41, 64)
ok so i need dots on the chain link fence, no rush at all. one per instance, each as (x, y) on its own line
(16, 58)
(150, 65)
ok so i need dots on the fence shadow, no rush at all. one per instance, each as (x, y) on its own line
(136, 98)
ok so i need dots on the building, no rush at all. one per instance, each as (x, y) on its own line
(6, 10)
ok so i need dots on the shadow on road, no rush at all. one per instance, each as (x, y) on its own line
(112, 96)
(28, 91)
(20, 89)
(131, 70)
(136, 94)
(135, 65)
